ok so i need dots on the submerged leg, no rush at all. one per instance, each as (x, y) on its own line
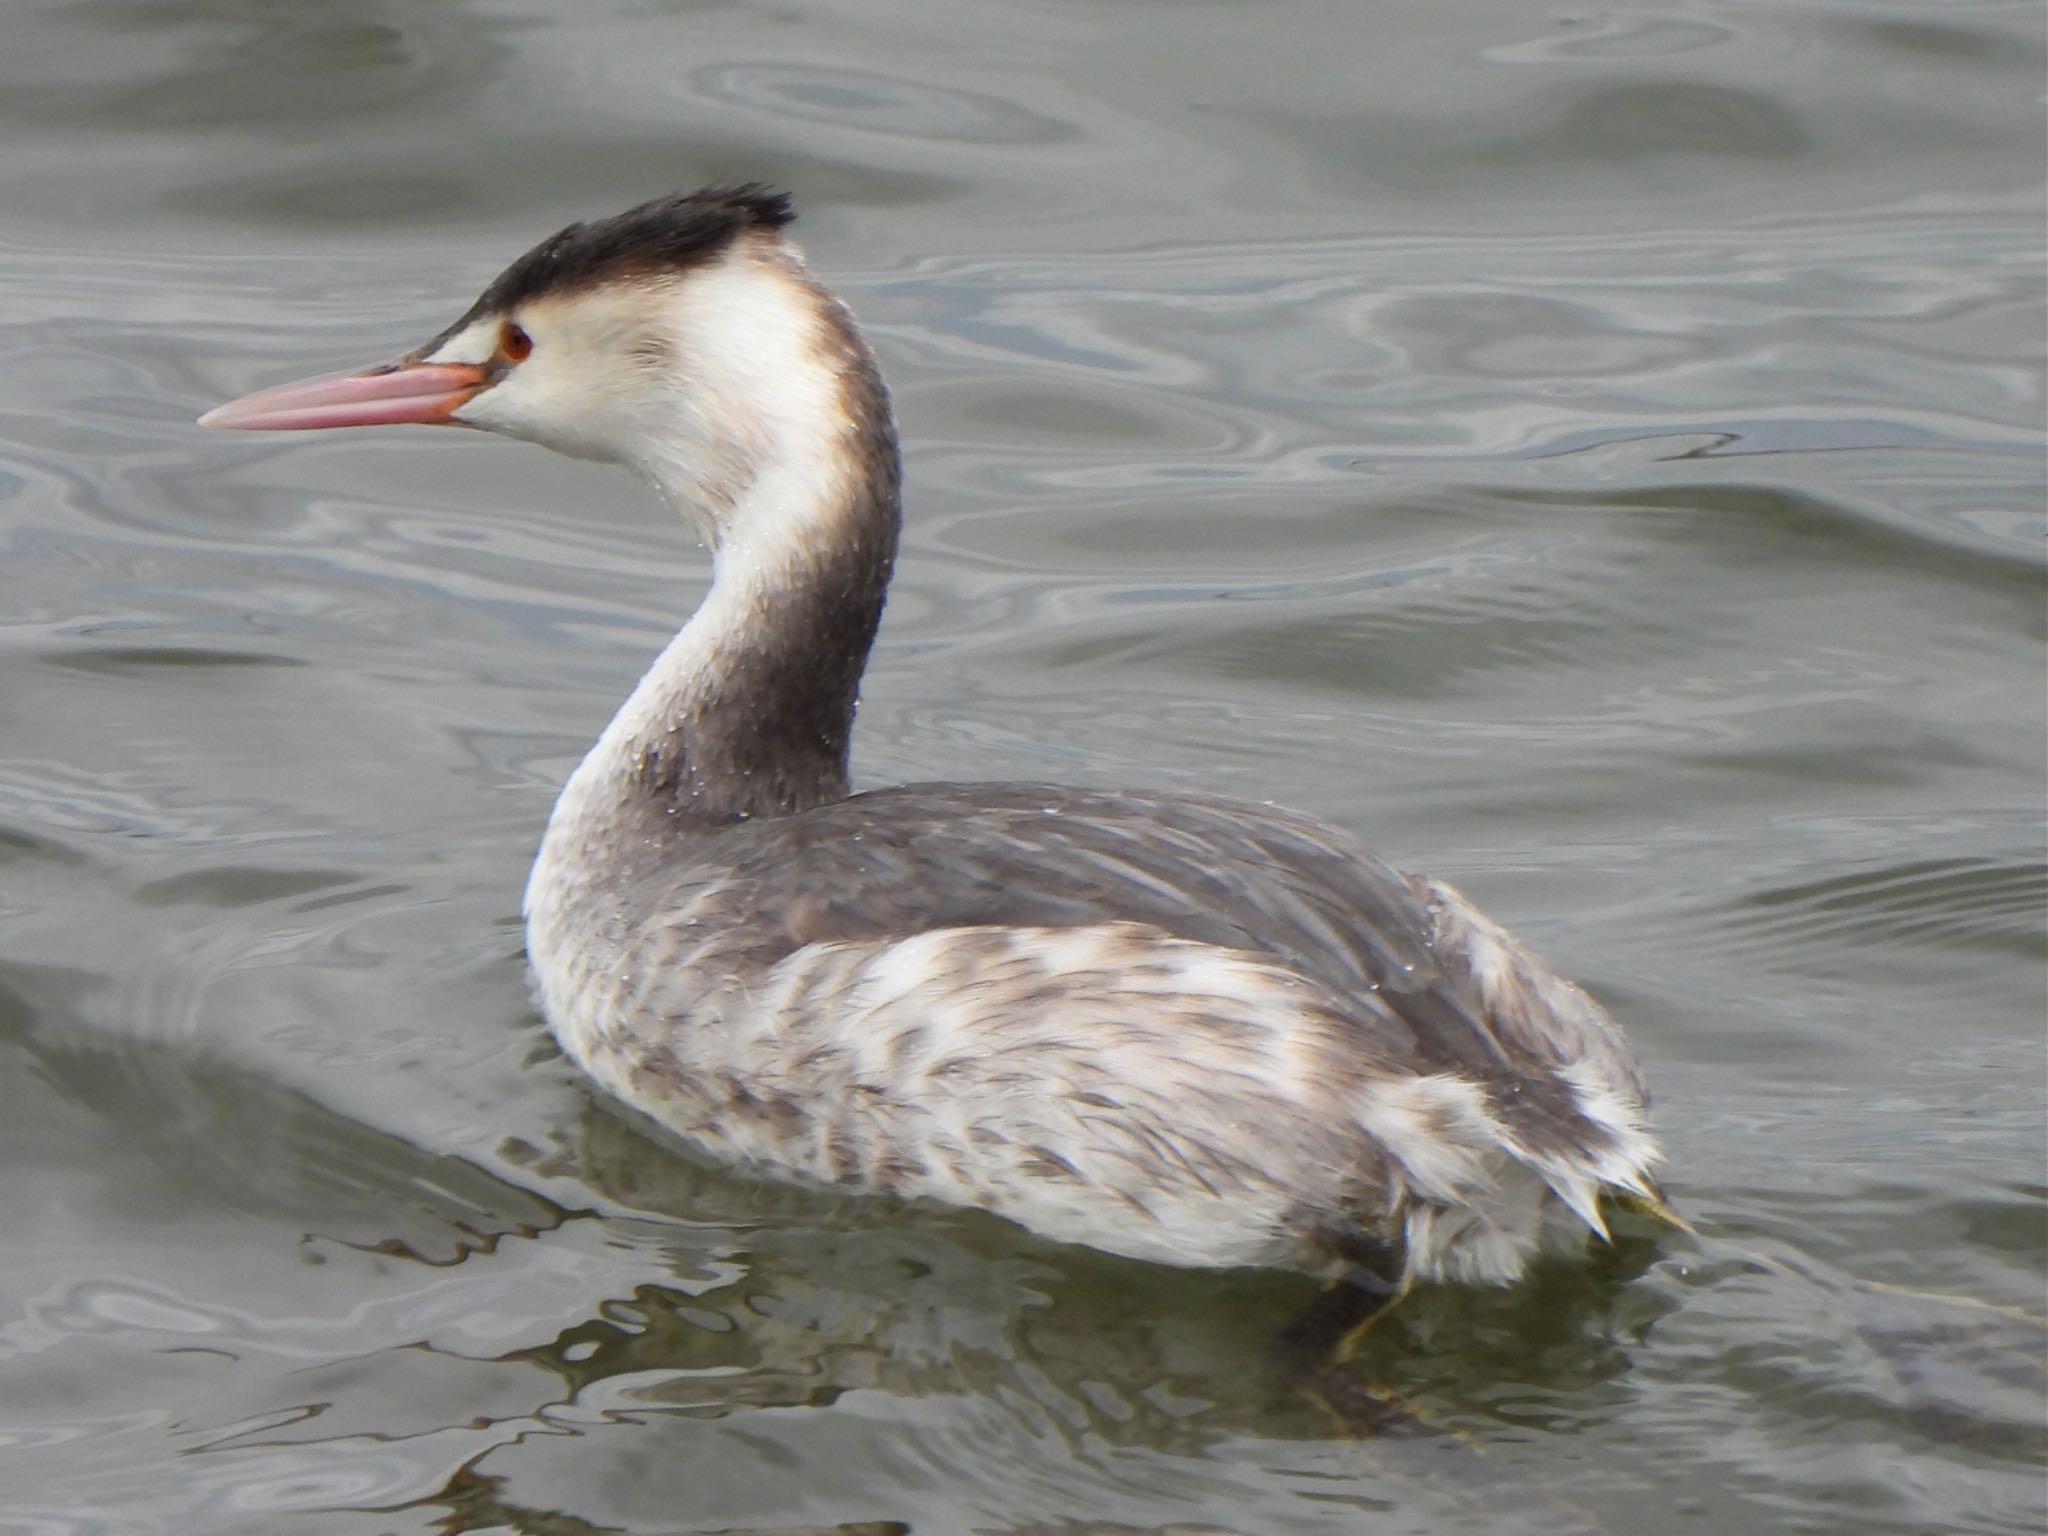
(1326, 1332)
(1310, 1351)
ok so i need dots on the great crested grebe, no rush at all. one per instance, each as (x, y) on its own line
(1184, 1028)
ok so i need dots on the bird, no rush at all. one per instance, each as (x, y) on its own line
(1182, 1028)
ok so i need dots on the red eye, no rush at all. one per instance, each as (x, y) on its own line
(514, 343)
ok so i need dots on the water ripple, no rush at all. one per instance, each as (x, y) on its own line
(872, 102)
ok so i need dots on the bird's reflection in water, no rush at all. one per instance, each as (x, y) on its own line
(781, 1298)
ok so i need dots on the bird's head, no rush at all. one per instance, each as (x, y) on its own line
(683, 338)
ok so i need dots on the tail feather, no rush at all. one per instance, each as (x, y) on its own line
(1581, 1194)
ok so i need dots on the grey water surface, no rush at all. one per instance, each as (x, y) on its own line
(1595, 453)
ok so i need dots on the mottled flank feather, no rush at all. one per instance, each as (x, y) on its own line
(1187, 1029)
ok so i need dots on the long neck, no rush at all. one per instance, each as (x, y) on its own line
(749, 710)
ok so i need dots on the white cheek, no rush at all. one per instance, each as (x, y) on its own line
(541, 401)
(524, 403)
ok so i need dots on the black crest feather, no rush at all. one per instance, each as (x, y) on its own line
(668, 233)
